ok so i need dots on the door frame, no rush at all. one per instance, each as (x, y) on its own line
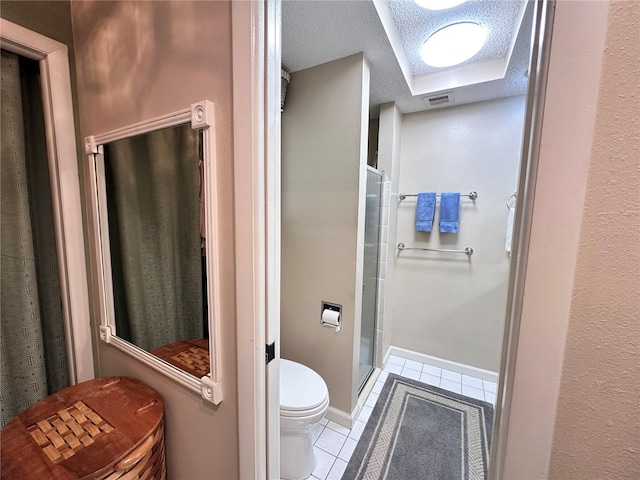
(63, 157)
(532, 131)
(256, 124)
(256, 62)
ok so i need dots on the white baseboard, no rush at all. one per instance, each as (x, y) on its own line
(340, 417)
(442, 363)
(348, 420)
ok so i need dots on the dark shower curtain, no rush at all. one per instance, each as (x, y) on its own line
(34, 359)
(152, 184)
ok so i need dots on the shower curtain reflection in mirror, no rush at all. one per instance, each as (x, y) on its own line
(153, 184)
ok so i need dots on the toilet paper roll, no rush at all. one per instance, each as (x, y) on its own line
(331, 318)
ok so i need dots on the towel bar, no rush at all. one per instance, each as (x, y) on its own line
(472, 195)
(467, 250)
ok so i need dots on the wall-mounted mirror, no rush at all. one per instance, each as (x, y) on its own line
(155, 217)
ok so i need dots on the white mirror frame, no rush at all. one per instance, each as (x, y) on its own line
(201, 117)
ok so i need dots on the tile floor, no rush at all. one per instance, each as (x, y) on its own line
(334, 444)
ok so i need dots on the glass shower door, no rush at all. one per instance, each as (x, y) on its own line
(370, 276)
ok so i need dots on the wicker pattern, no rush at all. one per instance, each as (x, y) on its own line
(195, 358)
(69, 430)
(147, 462)
(105, 428)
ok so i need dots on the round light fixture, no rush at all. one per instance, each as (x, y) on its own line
(439, 4)
(453, 44)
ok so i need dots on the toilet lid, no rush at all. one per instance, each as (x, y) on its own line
(300, 387)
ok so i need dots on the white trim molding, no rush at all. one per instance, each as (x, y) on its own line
(65, 188)
(201, 116)
(249, 115)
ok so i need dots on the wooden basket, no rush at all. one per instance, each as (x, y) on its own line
(108, 428)
(145, 462)
(192, 356)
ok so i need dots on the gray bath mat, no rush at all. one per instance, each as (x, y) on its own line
(417, 431)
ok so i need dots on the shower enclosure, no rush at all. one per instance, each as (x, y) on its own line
(368, 324)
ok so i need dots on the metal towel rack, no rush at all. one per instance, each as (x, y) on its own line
(467, 250)
(472, 195)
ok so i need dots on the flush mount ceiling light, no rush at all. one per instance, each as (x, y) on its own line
(439, 4)
(453, 44)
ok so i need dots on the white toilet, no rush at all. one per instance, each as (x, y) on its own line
(304, 399)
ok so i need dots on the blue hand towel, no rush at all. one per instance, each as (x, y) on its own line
(449, 212)
(425, 211)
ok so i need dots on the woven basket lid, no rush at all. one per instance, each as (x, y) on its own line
(81, 431)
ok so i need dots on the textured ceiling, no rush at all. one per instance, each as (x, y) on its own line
(414, 24)
(315, 32)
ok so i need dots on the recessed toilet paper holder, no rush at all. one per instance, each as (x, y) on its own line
(331, 315)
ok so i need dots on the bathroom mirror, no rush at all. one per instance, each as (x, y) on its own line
(156, 222)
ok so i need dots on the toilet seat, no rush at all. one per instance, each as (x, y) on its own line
(302, 391)
(301, 414)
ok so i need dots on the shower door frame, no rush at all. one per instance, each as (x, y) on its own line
(62, 155)
(363, 382)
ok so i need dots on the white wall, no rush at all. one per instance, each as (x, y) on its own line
(449, 305)
(324, 150)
